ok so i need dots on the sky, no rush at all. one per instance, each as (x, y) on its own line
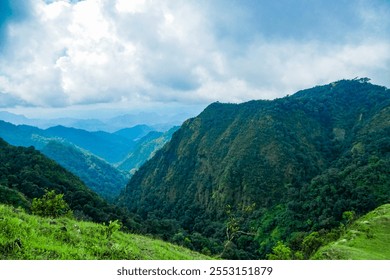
(97, 57)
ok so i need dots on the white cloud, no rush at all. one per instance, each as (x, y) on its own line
(103, 51)
(134, 6)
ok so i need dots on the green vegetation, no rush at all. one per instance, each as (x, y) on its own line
(50, 205)
(302, 160)
(28, 237)
(98, 175)
(26, 174)
(368, 238)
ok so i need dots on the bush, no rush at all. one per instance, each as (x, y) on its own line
(50, 205)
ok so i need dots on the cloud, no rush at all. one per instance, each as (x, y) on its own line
(11, 11)
(68, 53)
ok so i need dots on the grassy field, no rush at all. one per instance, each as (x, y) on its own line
(368, 238)
(29, 237)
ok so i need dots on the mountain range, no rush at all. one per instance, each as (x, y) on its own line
(100, 159)
(156, 121)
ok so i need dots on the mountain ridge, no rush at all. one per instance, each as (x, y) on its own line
(270, 154)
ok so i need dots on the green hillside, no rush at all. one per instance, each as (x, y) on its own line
(367, 239)
(97, 174)
(25, 174)
(239, 178)
(28, 237)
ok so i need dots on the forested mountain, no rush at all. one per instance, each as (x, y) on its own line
(26, 174)
(145, 149)
(97, 174)
(239, 178)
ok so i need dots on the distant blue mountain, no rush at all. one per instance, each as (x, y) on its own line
(110, 147)
(135, 132)
(156, 121)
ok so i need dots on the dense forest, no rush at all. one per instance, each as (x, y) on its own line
(97, 174)
(241, 179)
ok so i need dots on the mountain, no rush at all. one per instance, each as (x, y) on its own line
(159, 122)
(26, 174)
(97, 174)
(86, 154)
(27, 237)
(239, 178)
(20, 135)
(13, 118)
(135, 132)
(145, 149)
(366, 239)
(112, 148)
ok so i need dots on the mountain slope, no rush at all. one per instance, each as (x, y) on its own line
(28, 237)
(26, 173)
(145, 149)
(135, 132)
(97, 174)
(270, 169)
(367, 239)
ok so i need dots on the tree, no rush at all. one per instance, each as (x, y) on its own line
(280, 252)
(234, 225)
(50, 205)
(311, 243)
(349, 217)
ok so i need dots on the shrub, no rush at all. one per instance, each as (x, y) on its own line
(50, 205)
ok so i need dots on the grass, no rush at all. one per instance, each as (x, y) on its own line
(28, 237)
(368, 238)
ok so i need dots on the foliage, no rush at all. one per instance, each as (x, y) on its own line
(13, 197)
(112, 227)
(50, 205)
(280, 252)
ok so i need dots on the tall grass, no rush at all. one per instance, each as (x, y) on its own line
(28, 237)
